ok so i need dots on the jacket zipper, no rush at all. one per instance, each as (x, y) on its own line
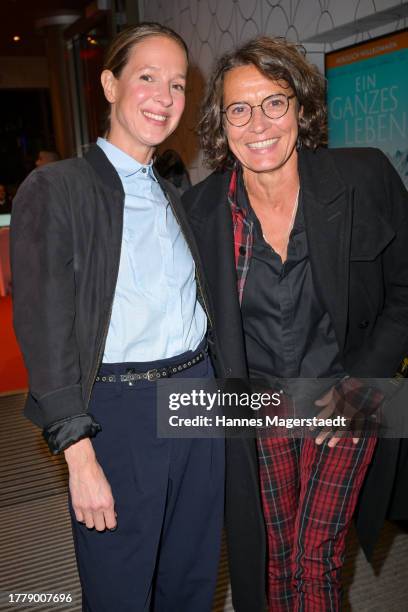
(106, 329)
(197, 273)
(99, 354)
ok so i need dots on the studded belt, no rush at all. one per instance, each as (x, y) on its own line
(132, 376)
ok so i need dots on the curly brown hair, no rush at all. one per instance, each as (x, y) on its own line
(278, 60)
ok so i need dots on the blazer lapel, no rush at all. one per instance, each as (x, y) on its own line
(328, 215)
(210, 217)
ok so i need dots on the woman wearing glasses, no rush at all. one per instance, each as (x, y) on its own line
(300, 246)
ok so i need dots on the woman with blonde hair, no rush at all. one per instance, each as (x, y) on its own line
(106, 304)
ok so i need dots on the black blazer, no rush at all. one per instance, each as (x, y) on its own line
(355, 209)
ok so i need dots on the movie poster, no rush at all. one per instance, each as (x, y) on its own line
(368, 97)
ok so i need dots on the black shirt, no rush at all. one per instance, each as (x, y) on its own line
(288, 332)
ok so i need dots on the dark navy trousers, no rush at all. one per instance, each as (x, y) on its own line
(169, 499)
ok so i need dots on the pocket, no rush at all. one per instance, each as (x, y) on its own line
(368, 241)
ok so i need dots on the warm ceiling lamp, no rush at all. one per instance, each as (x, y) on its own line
(16, 38)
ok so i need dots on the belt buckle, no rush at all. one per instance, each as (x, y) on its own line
(151, 374)
(129, 372)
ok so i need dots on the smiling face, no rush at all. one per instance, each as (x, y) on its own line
(147, 100)
(263, 144)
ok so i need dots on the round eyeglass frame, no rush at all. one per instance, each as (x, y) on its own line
(261, 105)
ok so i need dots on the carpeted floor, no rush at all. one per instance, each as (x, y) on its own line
(37, 551)
(13, 374)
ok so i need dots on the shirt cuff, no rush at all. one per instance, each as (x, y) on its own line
(63, 433)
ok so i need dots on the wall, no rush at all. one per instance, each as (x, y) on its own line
(211, 27)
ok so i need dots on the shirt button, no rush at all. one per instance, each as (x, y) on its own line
(364, 324)
(144, 170)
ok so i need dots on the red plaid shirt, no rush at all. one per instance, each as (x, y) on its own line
(243, 234)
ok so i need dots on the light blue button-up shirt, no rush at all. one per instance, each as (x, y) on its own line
(155, 311)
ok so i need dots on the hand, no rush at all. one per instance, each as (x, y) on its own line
(353, 400)
(328, 402)
(91, 493)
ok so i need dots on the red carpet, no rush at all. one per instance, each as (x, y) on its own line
(13, 374)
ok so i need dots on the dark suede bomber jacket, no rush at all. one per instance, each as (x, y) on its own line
(66, 234)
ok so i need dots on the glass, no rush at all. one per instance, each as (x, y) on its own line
(273, 107)
(86, 49)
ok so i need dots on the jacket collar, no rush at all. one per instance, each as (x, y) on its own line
(204, 200)
(98, 160)
(319, 177)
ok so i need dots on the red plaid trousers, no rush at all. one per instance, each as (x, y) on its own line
(309, 494)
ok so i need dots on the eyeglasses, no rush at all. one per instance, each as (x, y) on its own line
(273, 107)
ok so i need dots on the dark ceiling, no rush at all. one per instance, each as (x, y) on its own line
(18, 17)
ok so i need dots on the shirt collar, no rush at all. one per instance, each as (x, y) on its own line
(125, 165)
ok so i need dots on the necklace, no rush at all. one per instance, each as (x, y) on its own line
(292, 218)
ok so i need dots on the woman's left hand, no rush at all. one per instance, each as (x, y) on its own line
(355, 402)
(328, 403)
